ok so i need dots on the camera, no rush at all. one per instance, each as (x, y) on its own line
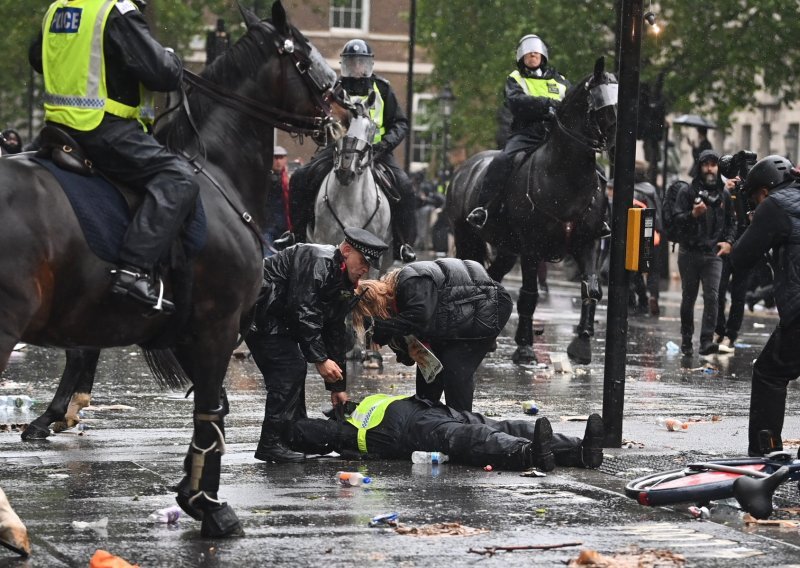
(710, 200)
(738, 164)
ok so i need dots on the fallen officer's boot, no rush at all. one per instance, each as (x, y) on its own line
(592, 445)
(13, 534)
(137, 284)
(272, 449)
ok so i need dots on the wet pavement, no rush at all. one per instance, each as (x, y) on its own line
(122, 464)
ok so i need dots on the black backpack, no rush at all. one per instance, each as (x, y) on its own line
(670, 230)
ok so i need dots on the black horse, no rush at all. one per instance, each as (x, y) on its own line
(551, 207)
(56, 292)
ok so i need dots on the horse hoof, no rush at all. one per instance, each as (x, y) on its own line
(182, 498)
(524, 355)
(372, 360)
(34, 432)
(580, 350)
(221, 522)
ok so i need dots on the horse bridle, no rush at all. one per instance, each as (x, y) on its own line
(602, 95)
(309, 70)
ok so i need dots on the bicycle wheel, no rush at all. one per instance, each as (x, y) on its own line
(696, 483)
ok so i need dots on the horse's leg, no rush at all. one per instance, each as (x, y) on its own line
(526, 306)
(502, 264)
(580, 349)
(76, 384)
(205, 362)
(469, 244)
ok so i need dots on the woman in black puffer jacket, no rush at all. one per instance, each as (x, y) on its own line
(452, 306)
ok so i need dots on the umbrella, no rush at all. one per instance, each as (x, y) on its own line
(694, 120)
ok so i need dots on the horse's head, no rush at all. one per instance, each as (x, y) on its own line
(588, 113)
(354, 151)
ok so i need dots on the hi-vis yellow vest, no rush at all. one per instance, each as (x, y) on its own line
(74, 64)
(376, 113)
(540, 87)
(369, 414)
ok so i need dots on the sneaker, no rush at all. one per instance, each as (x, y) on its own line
(592, 444)
(478, 217)
(726, 346)
(138, 285)
(543, 457)
(709, 348)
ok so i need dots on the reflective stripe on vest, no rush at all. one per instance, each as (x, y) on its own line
(375, 113)
(74, 65)
(368, 414)
(539, 87)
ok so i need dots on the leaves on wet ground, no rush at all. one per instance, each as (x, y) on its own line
(631, 558)
(783, 523)
(16, 427)
(439, 529)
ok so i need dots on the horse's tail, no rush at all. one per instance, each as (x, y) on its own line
(166, 369)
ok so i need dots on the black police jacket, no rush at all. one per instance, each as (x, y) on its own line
(132, 56)
(776, 226)
(445, 299)
(307, 295)
(703, 233)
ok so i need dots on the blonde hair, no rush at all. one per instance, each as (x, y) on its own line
(377, 299)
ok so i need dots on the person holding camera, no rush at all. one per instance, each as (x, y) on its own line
(703, 214)
(773, 190)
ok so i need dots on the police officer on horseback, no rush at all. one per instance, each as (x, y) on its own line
(98, 58)
(359, 81)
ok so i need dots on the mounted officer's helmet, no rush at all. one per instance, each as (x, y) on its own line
(531, 44)
(357, 59)
(768, 172)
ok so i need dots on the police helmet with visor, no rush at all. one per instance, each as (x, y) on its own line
(768, 172)
(531, 44)
(357, 59)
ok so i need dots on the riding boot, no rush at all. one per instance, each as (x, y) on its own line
(138, 285)
(492, 185)
(404, 223)
(271, 447)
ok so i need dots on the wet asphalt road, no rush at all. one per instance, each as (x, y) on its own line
(122, 465)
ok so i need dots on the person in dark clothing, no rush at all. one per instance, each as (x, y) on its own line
(108, 117)
(532, 93)
(278, 215)
(737, 281)
(773, 188)
(308, 292)
(358, 80)
(392, 427)
(451, 305)
(703, 213)
(10, 142)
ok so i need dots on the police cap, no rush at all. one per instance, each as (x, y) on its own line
(279, 151)
(366, 243)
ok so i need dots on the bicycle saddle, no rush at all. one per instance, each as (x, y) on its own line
(755, 495)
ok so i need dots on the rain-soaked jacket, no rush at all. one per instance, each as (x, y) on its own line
(307, 296)
(445, 299)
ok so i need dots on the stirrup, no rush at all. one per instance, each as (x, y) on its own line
(286, 240)
(478, 217)
(407, 253)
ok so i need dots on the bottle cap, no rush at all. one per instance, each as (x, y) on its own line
(366, 480)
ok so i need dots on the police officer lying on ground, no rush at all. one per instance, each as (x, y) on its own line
(392, 427)
(308, 291)
(93, 89)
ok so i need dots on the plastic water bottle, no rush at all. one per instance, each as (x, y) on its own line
(19, 401)
(168, 515)
(672, 424)
(429, 457)
(352, 478)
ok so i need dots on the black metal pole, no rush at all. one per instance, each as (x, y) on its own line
(624, 161)
(666, 158)
(445, 161)
(412, 40)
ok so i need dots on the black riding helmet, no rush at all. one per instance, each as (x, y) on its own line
(357, 62)
(768, 172)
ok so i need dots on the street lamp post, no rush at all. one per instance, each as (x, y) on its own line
(446, 100)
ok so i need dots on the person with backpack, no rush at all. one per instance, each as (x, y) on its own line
(702, 217)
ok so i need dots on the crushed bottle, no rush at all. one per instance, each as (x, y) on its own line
(352, 478)
(167, 515)
(429, 457)
(672, 424)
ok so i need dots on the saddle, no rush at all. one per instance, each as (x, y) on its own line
(64, 151)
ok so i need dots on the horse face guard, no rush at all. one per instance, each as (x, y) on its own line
(353, 152)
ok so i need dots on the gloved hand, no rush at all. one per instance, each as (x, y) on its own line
(380, 149)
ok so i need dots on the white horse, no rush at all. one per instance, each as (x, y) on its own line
(349, 196)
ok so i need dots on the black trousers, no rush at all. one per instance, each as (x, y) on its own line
(123, 151)
(737, 281)
(777, 364)
(307, 180)
(694, 267)
(280, 360)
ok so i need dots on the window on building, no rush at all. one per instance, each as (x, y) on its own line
(747, 136)
(349, 14)
(423, 142)
(792, 139)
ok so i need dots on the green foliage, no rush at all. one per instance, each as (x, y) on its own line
(714, 56)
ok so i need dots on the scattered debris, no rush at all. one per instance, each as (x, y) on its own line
(791, 443)
(628, 444)
(488, 468)
(386, 520)
(492, 550)
(100, 524)
(672, 424)
(439, 529)
(104, 407)
(700, 512)
(784, 523)
(633, 558)
(532, 473)
(530, 407)
(17, 427)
